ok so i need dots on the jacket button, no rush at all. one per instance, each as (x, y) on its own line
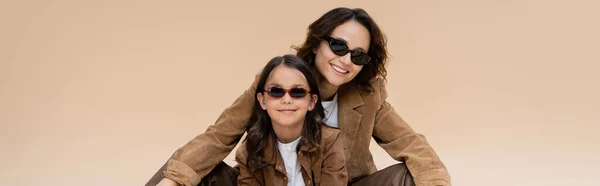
(279, 167)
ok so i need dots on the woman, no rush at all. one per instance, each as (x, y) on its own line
(287, 142)
(348, 50)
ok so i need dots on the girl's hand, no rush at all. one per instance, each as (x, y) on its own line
(167, 182)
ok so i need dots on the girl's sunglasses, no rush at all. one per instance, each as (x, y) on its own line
(340, 48)
(278, 92)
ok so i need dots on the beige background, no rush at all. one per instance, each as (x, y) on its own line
(101, 93)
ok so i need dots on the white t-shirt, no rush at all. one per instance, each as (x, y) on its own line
(288, 150)
(292, 165)
(331, 111)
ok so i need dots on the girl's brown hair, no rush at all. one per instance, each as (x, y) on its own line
(260, 128)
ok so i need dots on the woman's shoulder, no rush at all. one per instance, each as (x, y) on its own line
(378, 83)
(378, 93)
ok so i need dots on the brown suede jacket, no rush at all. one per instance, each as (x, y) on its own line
(361, 116)
(320, 166)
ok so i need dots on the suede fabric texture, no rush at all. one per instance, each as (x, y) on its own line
(319, 166)
(362, 116)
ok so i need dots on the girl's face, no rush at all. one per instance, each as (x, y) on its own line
(338, 70)
(289, 110)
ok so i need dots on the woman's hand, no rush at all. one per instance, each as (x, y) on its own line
(167, 182)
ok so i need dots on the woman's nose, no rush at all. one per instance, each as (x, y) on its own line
(346, 59)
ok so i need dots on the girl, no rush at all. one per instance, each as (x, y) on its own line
(287, 142)
(348, 51)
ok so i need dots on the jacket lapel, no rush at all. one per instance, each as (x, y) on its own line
(273, 158)
(348, 118)
(270, 156)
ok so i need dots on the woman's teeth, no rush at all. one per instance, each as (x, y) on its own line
(338, 69)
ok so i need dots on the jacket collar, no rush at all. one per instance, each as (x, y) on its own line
(349, 96)
(272, 156)
(349, 118)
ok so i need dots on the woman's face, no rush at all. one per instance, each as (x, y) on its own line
(287, 111)
(338, 70)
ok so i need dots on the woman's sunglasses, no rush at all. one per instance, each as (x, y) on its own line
(278, 92)
(340, 48)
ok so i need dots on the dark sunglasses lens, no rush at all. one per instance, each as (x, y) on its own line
(338, 47)
(360, 58)
(276, 92)
(297, 92)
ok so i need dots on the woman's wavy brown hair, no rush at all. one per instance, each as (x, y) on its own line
(323, 27)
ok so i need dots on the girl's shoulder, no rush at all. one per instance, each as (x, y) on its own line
(329, 134)
(242, 152)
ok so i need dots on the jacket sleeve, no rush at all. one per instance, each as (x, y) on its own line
(245, 177)
(396, 137)
(334, 170)
(199, 156)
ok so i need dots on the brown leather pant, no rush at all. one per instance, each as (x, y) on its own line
(223, 175)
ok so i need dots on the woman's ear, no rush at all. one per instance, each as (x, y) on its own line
(313, 102)
(261, 101)
(314, 50)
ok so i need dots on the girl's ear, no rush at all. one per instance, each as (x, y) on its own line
(313, 102)
(260, 98)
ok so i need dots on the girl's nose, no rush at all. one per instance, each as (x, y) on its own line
(286, 99)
